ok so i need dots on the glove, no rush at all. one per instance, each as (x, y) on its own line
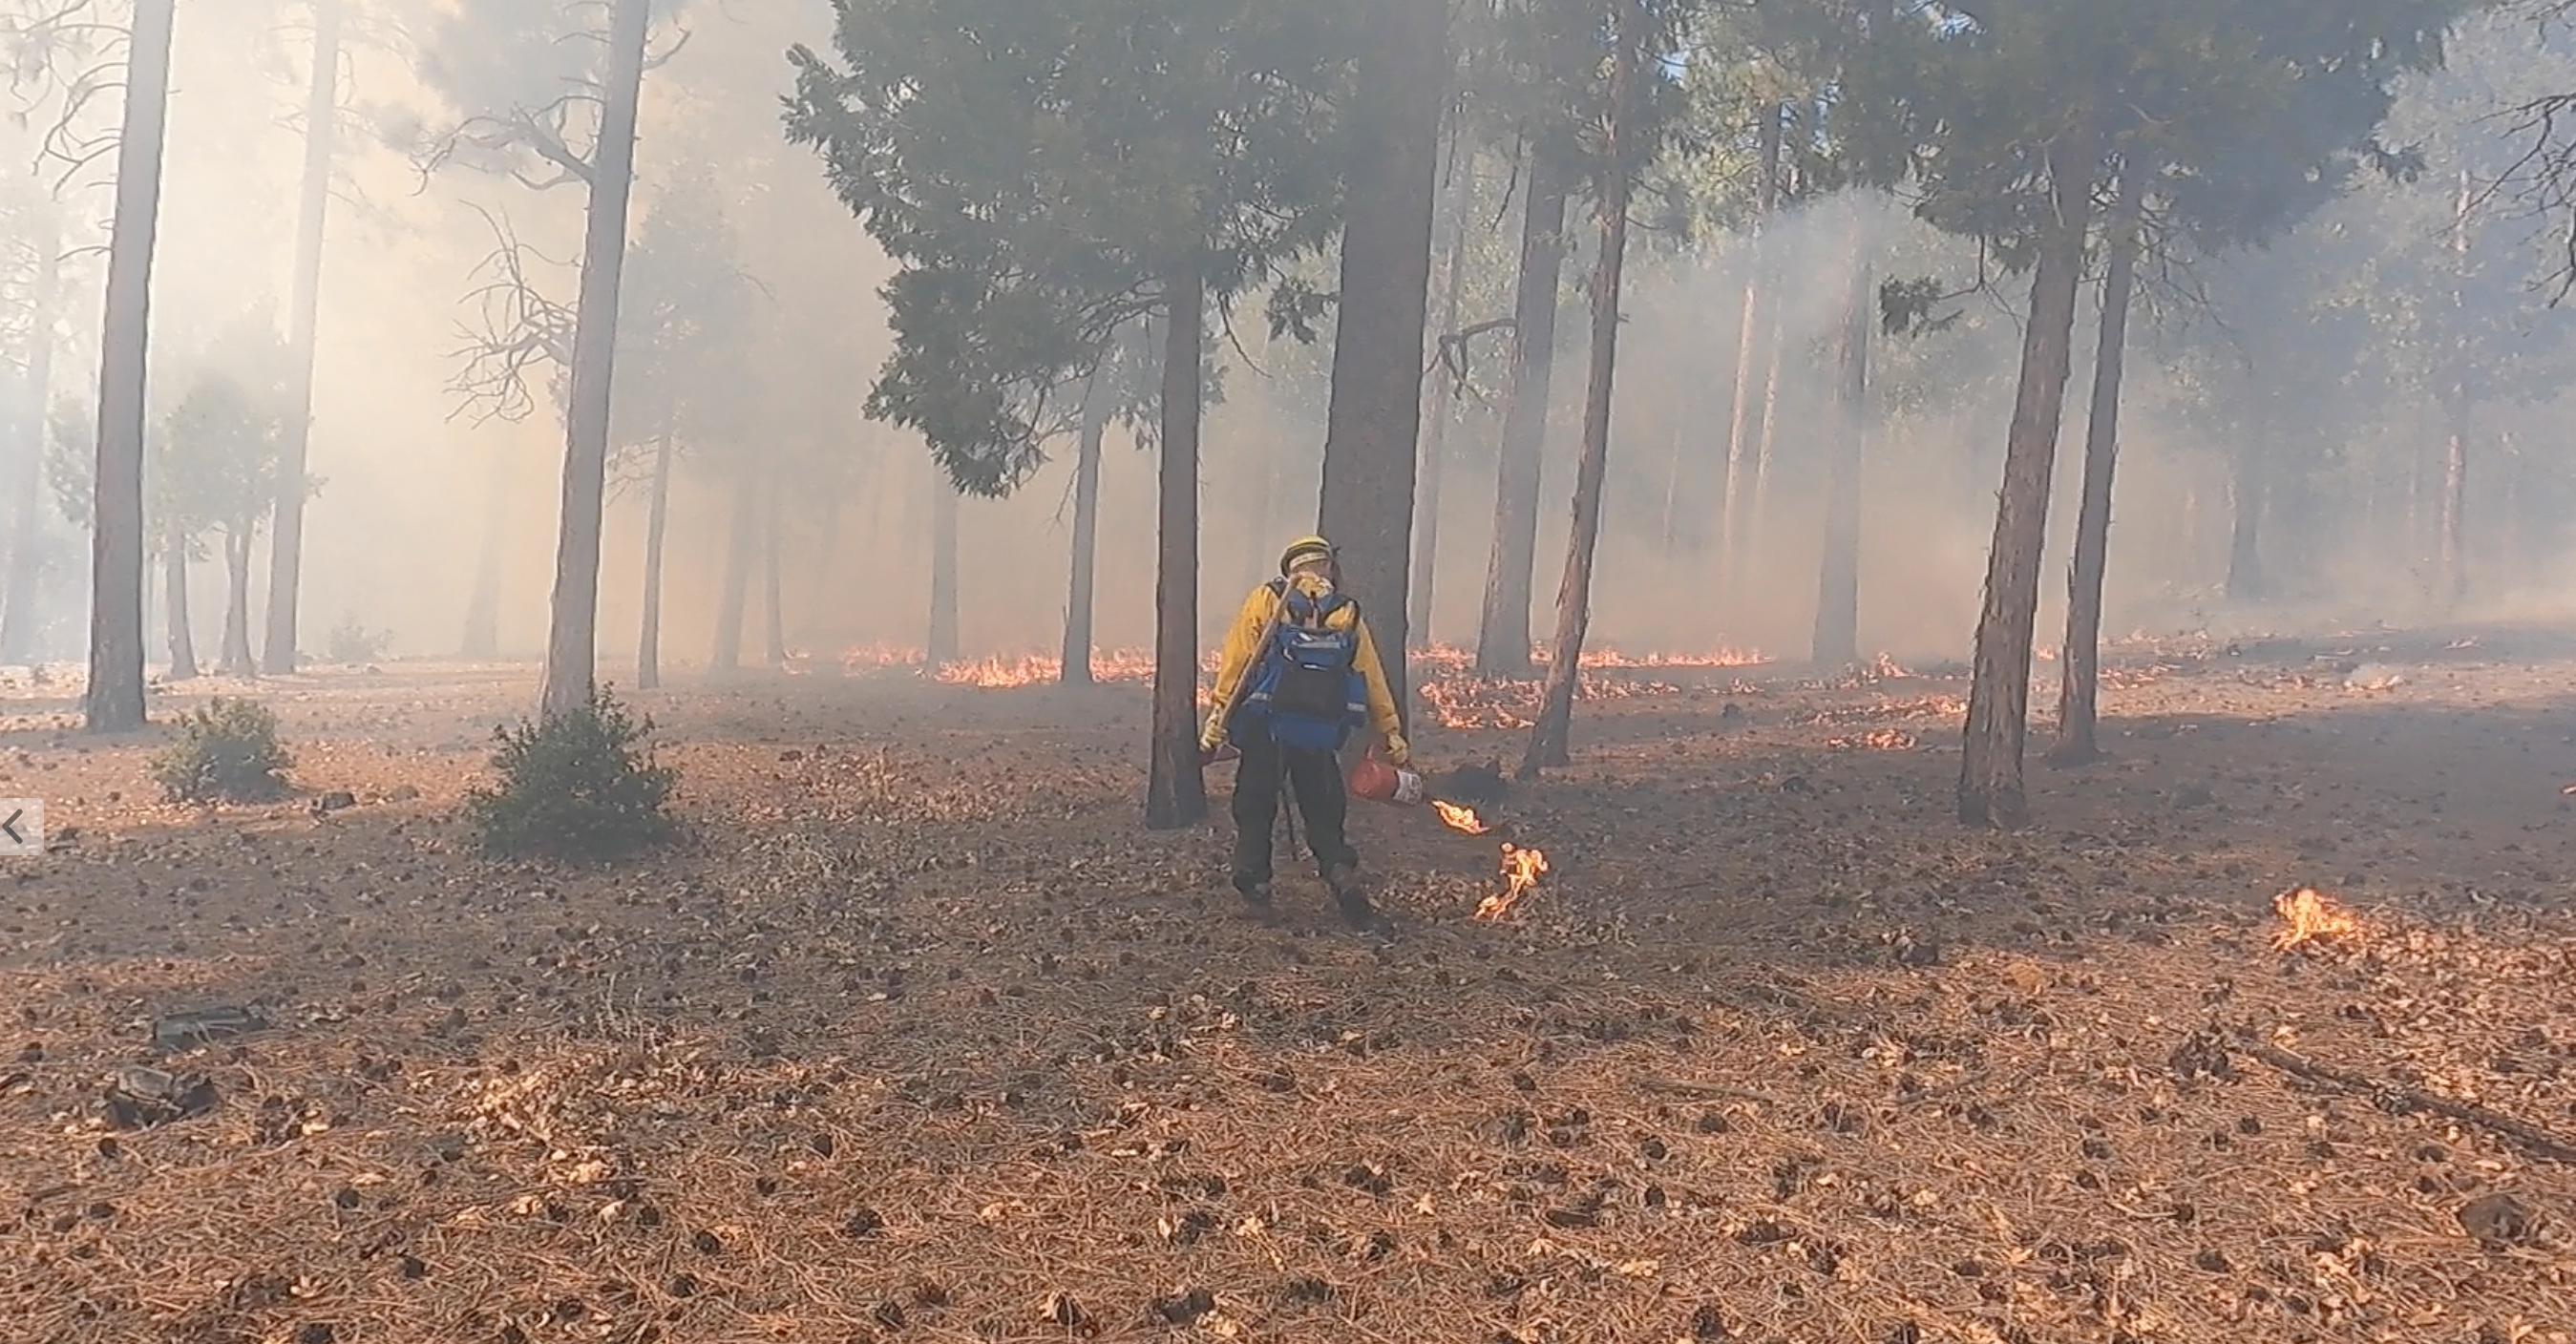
(1397, 752)
(1212, 736)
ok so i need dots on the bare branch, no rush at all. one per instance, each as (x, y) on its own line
(516, 331)
(66, 57)
(565, 178)
(537, 131)
(2540, 184)
(1452, 354)
(656, 62)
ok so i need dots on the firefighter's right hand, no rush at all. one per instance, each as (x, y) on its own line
(1212, 736)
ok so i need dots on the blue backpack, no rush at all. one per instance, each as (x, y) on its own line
(1307, 685)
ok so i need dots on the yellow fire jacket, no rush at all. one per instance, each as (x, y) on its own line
(1243, 641)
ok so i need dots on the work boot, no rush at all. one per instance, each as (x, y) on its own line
(1254, 891)
(1344, 880)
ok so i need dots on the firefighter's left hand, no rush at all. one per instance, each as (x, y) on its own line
(1397, 751)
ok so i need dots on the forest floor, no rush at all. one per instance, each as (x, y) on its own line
(919, 1037)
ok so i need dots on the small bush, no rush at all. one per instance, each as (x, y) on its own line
(579, 786)
(227, 752)
(352, 643)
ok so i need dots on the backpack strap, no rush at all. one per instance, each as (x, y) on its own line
(1322, 611)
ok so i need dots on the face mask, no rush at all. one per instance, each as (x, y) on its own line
(1313, 584)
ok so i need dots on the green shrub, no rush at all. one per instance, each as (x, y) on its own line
(227, 751)
(579, 786)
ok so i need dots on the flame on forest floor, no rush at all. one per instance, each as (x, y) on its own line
(1008, 672)
(1446, 678)
(1461, 819)
(877, 657)
(1521, 871)
(1723, 657)
(1882, 709)
(1883, 739)
(1474, 702)
(1469, 702)
(1001, 674)
(1452, 659)
(2312, 917)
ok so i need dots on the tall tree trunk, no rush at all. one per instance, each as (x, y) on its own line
(1990, 778)
(648, 643)
(827, 539)
(174, 611)
(2458, 402)
(1376, 417)
(22, 584)
(572, 636)
(115, 699)
(1261, 541)
(1175, 788)
(2455, 499)
(2080, 672)
(1549, 737)
(1421, 607)
(2246, 581)
(1745, 427)
(1075, 669)
(286, 539)
(2517, 547)
(1503, 632)
(734, 599)
(1748, 533)
(1435, 435)
(1837, 635)
(1676, 449)
(23, 560)
(942, 647)
(2421, 543)
(773, 580)
(237, 661)
(2191, 551)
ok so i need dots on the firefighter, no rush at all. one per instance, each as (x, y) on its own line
(1299, 674)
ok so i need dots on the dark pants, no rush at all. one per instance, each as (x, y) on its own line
(1322, 804)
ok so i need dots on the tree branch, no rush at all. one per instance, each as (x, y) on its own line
(1453, 352)
(2541, 180)
(656, 61)
(538, 131)
(2400, 1100)
(516, 331)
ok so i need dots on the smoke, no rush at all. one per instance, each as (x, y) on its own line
(2323, 356)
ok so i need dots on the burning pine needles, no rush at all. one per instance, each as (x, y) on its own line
(2313, 918)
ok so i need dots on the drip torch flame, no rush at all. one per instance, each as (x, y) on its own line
(1521, 869)
(1461, 819)
(2313, 917)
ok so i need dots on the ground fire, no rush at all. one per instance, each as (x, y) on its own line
(1461, 819)
(1521, 871)
(2312, 917)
